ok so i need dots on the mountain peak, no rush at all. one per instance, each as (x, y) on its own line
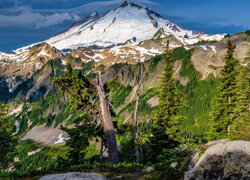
(130, 3)
(117, 27)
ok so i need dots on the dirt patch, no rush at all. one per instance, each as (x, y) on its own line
(154, 101)
(46, 135)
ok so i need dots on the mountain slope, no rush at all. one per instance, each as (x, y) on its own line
(130, 23)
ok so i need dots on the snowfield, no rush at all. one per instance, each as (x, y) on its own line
(128, 22)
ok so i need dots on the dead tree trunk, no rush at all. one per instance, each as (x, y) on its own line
(135, 128)
(108, 127)
(135, 131)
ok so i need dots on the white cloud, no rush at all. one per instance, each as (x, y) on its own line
(26, 17)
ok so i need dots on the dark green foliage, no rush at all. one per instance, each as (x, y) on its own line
(127, 145)
(5, 94)
(118, 91)
(7, 142)
(64, 114)
(80, 136)
(80, 92)
(187, 66)
(88, 66)
(198, 95)
(154, 62)
(19, 78)
(163, 170)
(222, 111)
(118, 98)
(56, 67)
(248, 32)
(240, 128)
(38, 114)
(144, 108)
(227, 36)
(6, 125)
(40, 157)
(166, 132)
(76, 86)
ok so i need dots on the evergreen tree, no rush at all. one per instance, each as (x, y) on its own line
(79, 139)
(5, 124)
(6, 140)
(79, 90)
(222, 110)
(165, 133)
(240, 128)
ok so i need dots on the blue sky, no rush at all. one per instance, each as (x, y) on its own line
(23, 22)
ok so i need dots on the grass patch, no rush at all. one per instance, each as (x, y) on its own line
(118, 91)
(198, 95)
(197, 104)
(37, 113)
(30, 156)
(144, 108)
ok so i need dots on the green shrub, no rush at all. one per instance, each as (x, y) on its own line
(163, 170)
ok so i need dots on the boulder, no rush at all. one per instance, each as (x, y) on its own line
(149, 169)
(222, 160)
(74, 176)
(174, 164)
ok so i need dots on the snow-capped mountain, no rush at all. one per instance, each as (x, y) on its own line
(129, 23)
(127, 34)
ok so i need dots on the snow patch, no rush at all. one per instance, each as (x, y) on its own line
(61, 139)
(98, 56)
(63, 62)
(213, 48)
(43, 53)
(64, 53)
(204, 47)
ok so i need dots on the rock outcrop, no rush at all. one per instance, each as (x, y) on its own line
(74, 176)
(222, 160)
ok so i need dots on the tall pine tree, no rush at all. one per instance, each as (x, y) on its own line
(222, 110)
(79, 90)
(165, 133)
(240, 128)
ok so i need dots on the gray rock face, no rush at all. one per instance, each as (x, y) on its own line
(222, 160)
(74, 176)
